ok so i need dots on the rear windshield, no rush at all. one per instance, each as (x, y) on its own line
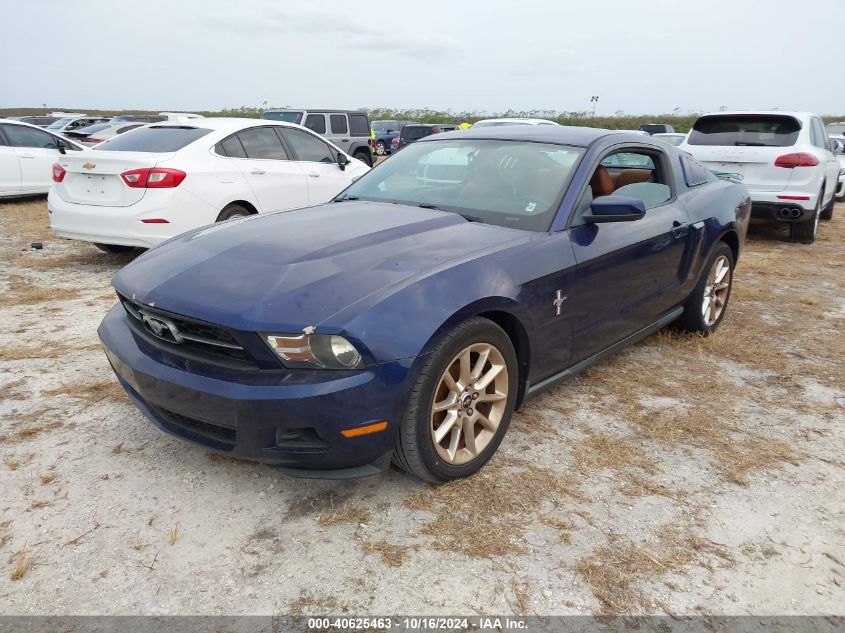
(154, 139)
(287, 117)
(93, 128)
(415, 132)
(763, 130)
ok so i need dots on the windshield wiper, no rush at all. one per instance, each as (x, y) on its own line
(345, 198)
(426, 205)
(470, 218)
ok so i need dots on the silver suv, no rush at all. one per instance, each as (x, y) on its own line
(348, 129)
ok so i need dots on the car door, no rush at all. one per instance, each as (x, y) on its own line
(36, 151)
(831, 162)
(277, 182)
(340, 131)
(628, 274)
(10, 169)
(319, 162)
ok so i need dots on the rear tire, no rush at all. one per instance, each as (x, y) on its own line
(827, 212)
(381, 148)
(364, 157)
(466, 405)
(806, 231)
(710, 292)
(114, 248)
(232, 212)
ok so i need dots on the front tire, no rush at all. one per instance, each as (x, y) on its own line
(461, 405)
(706, 306)
(114, 249)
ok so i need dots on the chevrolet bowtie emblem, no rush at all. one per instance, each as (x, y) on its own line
(88, 166)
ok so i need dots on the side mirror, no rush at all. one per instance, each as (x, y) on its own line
(615, 209)
(342, 161)
(61, 146)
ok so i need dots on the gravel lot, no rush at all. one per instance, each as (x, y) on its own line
(686, 475)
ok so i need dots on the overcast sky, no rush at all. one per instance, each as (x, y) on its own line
(638, 56)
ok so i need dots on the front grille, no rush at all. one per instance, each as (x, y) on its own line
(214, 431)
(181, 333)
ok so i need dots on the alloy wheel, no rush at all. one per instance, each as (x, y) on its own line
(380, 148)
(469, 403)
(716, 290)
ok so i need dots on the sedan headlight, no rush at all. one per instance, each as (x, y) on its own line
(314, 351)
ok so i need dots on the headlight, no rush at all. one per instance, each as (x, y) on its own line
(315, 351)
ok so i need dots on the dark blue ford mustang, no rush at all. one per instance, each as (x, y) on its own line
(407, 318)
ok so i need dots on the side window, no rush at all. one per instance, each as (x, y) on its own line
(21, 136)
(634, 174)
(819, 137)
(358, 125)
(338, 122)
(308, 148)
(231, 147)
(316, 123)
(262, 142)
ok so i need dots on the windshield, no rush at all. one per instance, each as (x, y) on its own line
(287, 117)
(508, 183)
(57, 125)
(763, 130)
(154, 139)
(93, 128)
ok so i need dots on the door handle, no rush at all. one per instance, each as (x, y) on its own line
(344, 140)
(257, 172)
(27, 156)
(679, 229)
(313, 175)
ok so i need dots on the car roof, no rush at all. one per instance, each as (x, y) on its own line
(557, 134)
(221, 123)
(792, 113)
(316, 110)
(517, 119)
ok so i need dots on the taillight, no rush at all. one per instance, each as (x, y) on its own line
(157, 178)
(799, 159)
(58, 173)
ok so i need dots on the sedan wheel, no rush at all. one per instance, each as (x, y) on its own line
(469, 403)
(459, 408)
(716, 290)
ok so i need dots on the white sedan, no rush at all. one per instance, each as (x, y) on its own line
(27, 154)
(152, 183)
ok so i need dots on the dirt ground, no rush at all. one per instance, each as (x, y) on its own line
(684, 476)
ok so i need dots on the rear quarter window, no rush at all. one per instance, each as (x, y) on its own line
(694, 172)
(737, 130)
(359, 125)
(154, 139)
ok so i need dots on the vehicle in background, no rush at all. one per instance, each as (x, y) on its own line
(385, 131)
(72, 123)
(785, 159)
(657, 128)
(157, 118)
(640, 132)
(415, 132)
(38, 120)
(27, 154)
(840, 187)
(673, 138)
(407, 319)
(512, 121)
(143, 187)
(836, 131)
(94, 134)
(348, 129)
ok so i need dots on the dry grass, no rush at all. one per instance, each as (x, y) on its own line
(21, 565)
(487, 515)
(347, 513)
(326, 604)
(29, 352)
(393, 555)
(174, 535)
(521, 598)
(90, 392)
(31, 431)
(616, 570)
(12, 390)
(24, 291)
(47, 478)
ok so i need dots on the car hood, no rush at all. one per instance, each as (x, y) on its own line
(288, 270)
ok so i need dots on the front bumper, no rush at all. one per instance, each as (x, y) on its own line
(287, 418)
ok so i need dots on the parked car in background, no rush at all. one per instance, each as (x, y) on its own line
(512, 121)
(348, 129)
(40, 121)
(27, 155)
(785, 159)
(72, 123)
(406, 321)
(836, 131)
(157, 118)
(657, 128)
(384, 132)
(94, 134)
(840, 187)
(673, 138)
(415, 132)
(149, 184)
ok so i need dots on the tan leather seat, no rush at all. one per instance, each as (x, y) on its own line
(601, 183)
(631, 176)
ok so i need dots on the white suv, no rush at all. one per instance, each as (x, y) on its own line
(157, 181)
(785, 160)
